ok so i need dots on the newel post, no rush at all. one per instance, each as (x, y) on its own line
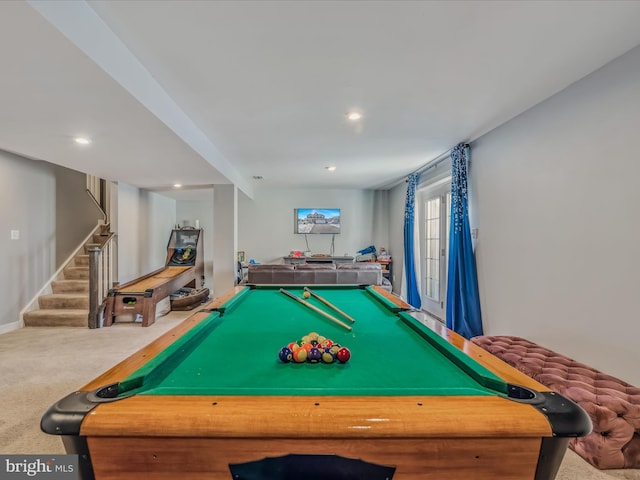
(94, 283)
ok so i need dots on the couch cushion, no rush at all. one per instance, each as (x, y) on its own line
(360, 273)
(316, 266)
(271, 274)
(360, 266)
(316, 276)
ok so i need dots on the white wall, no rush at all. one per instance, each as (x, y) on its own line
(144, 224)
(381, 220)
(397, 197)
(265, 229)
(128, 234)
(225, 238)
(28, 204)
(76, 214)
(187, 212)
(558, 208)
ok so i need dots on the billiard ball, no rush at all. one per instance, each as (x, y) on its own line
(334, 348)
(285, 354)
(343, 355)
(314, 355)
(306, 294)
(300, 355)
(327, 357)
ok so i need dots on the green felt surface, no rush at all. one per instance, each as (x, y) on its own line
(236, 352)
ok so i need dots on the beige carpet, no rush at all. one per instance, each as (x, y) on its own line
(41, 365)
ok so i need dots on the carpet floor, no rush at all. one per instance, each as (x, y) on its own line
(41, 365)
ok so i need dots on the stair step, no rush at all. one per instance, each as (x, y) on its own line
(76, 273)
(58, 301)
(81, 260)
(70, 286)
(56, 318)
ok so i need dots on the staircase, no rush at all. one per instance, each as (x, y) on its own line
(68, 303)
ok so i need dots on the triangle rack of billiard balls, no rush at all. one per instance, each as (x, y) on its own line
(314, 348)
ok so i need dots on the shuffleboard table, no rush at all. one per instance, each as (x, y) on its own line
(413, 395)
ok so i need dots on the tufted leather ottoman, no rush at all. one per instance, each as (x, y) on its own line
(613, 405)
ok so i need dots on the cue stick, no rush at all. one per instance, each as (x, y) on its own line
(316, 309)
(328, 304)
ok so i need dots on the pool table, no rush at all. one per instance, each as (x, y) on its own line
(414, 395)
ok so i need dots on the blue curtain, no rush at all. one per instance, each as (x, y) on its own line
(463, 299)
(413, 294)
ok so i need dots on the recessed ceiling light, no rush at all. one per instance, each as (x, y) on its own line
(354, 116)
(177, 185)
(331, 168)
(82, 140)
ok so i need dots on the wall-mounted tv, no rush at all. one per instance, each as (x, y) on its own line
(317, 220)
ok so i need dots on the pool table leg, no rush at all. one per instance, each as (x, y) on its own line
(76, 444)
(552, 452)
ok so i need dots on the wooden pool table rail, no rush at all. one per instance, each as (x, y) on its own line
(392, 298)
(497, 366)
(310, 417)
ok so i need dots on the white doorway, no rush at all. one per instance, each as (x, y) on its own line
(435, 203)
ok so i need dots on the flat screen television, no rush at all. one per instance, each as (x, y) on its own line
(317, 220)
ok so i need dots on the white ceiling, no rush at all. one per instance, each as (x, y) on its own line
(206, 92)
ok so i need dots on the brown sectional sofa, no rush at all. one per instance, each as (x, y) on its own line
(359, 273)
(612, 405)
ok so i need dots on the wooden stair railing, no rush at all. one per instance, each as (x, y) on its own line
(101, 267)
(102, 256)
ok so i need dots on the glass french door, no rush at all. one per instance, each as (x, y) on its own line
(436, 213)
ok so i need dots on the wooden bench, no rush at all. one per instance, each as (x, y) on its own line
(613, 405)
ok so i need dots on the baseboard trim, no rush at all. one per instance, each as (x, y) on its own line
(9, 327)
